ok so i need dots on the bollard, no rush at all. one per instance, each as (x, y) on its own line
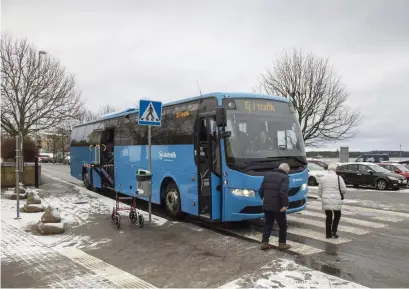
(36, 176)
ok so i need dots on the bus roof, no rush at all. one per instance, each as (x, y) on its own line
(218, 95)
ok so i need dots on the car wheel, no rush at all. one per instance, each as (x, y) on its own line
(172, 201)
(381, 185)
(312, 181)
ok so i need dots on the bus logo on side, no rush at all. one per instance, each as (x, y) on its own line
(167, 155)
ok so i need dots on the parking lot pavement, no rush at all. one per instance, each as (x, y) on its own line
(163, 254)
(372, 250)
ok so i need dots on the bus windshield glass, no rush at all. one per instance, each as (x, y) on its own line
(262, 129)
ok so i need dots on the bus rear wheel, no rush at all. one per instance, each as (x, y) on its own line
(172, 201)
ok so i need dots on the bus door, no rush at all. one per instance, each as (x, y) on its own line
(107, 159)
(208, 163)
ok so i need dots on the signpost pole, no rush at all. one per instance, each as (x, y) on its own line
(18, 153)
(150, 168)
(150, 113)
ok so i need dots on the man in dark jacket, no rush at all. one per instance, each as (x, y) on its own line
(274, 193)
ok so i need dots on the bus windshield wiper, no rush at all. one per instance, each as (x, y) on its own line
(298, 159)
(250, 163)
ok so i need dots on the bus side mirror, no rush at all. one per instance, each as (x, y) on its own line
(221, 120)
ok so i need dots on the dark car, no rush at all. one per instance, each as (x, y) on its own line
(369, 175)
(372, 158)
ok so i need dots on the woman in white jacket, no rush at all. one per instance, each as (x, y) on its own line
(331, 190)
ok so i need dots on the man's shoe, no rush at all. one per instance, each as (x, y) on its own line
(266, 246)
(335, 235)
(283, 246)
(328, 236)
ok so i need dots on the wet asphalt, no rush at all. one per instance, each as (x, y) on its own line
(378, 259)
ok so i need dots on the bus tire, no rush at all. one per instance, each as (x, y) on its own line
(172, 201)
(87, 181)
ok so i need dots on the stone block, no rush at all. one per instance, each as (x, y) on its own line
(50, 228)
(51, 215)
(33, 198)
(33, 208)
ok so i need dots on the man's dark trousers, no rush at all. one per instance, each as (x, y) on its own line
(269, 217)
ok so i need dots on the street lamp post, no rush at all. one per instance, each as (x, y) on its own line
(400, 152)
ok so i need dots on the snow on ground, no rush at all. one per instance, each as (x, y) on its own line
(283, 273)
(75, 210)
(109, 203)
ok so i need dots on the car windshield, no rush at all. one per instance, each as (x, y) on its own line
(378, 169)
(402, 168)
(263, 129)
(315, 167)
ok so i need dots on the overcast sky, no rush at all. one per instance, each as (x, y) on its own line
(124, 50)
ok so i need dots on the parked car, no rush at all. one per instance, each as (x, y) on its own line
(45, 159)
(396, 168)
(318, 162)
(67, 160)
(315, 172)
(370, 175)
(405, 163)
(372, 158)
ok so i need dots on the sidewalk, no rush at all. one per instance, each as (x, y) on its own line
(25, 262)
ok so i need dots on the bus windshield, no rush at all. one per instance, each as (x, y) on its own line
(263, 129)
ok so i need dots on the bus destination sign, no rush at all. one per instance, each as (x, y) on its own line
(256, 105)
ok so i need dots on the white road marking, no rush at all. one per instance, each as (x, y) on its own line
(345, 219)
(321, 224)
(319, 208)
(387, 219)
(283, 273)
(367, 210)
(105, 270)
(295, 246)
(316, 235)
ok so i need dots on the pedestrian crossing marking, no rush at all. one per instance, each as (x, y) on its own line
(321, 224)
(320, 236)
(345, 219)
(363, 220)
(387, 219)
(295, 246)
(366, 210)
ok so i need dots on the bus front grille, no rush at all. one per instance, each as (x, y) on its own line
(293, 191)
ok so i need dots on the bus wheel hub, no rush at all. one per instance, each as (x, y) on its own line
(172, 199)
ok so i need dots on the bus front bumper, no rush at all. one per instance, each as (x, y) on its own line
(256, 212)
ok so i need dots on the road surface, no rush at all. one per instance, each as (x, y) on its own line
(372, 250)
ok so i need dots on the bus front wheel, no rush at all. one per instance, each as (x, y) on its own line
(172, 201)
(86, 179)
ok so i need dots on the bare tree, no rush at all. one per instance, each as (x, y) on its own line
(36, 95)
(317, 94)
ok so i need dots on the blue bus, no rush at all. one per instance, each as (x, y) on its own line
(209, 155)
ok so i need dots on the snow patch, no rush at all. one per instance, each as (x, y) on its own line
(284, 273)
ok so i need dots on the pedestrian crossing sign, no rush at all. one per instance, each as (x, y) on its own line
(150, 112)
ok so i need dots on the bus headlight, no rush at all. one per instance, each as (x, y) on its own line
(304, 187)
(243, 192)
